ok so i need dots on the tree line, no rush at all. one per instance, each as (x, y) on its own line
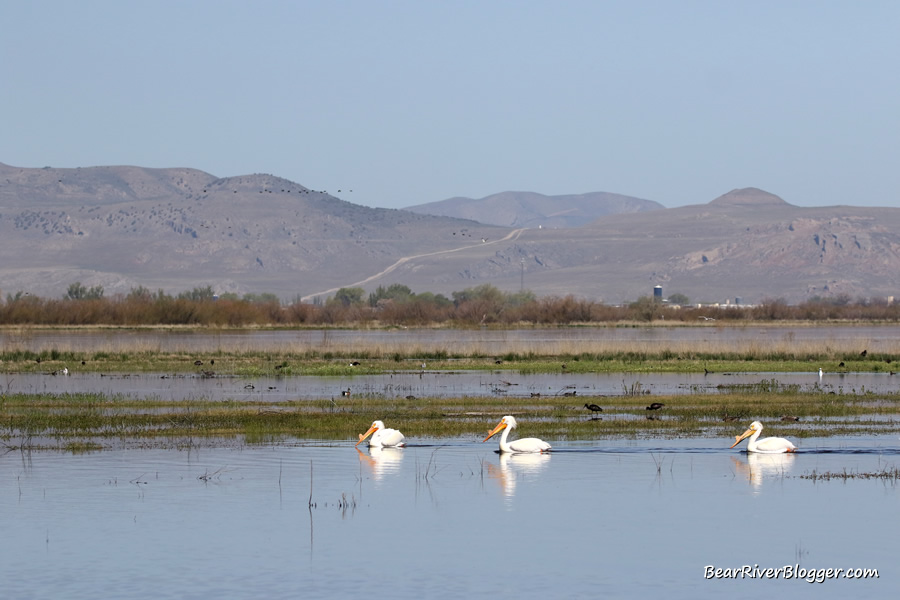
(397, 305)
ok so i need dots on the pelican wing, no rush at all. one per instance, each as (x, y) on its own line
(390, 437)
(529, 445)
(774, 445)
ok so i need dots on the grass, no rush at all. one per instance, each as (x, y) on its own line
(86, 422)
(141, 350)
(888, 474)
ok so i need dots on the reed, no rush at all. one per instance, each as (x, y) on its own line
(889, 474)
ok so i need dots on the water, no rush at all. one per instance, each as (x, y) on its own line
(443, 518)
(437, 384)
(636, 519)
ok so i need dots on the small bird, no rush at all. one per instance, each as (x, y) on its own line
(345, 393)
(820, 373)
(355, 363)
(198, 363)
(593, 408)
(863, 353)
(655, 406)
(789, 418)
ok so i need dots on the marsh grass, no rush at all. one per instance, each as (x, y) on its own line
(314, 362)
(87, 422)
(888, 474)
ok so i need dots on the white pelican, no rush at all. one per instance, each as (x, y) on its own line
(772, 445)
(382, 438)
(519, 446)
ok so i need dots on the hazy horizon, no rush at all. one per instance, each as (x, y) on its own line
(407, 103)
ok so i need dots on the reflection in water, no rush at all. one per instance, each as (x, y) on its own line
(381, 461)
(77, 527)
(758, 467)
(512, 466)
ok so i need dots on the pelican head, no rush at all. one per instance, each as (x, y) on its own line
(507, 421)
(376, 425)
(755, 427)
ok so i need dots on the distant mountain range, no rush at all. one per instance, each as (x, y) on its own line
(529, 209)
(177, 229)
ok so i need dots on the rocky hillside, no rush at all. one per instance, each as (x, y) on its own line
(176, 229)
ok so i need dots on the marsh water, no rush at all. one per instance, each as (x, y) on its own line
(446, 518)
(450, 519)
(434, 384)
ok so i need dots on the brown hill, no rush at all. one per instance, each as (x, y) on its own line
(746, 244)
(529, 209)
(176, 229)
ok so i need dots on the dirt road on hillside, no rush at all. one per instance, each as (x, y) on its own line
(512, 235)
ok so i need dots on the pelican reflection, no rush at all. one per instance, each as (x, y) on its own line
(758, 467)
(514, 466)
(381, 461)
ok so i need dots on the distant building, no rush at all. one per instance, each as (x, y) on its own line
(657, 292)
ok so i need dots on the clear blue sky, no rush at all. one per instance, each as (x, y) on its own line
(407, 102)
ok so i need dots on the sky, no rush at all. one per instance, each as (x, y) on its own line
(406, 102)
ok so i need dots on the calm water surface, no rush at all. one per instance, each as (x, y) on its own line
(626, 519)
